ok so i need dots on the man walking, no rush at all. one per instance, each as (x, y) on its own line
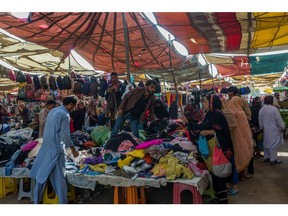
(50, 161)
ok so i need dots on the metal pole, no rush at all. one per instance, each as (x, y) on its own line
(170, 59)
(69, 67)
(200, 82)
(126, 45)
(212, 77)
(173, 75)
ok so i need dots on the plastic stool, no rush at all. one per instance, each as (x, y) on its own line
(7, 185)
(71, 193)
(179, 187)
(129, 195)
(52, 198)
(22, 193)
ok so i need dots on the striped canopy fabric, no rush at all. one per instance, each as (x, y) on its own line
(237, 32)
(232, 41)
(233, 33)
(99, 38)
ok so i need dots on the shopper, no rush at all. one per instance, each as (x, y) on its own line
(25, 114)
(215, 123)
(50, 104)
(134, 105)
(50, 161)
(113, 97)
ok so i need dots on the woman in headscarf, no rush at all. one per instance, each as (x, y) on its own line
(241, 135)
(215, 123)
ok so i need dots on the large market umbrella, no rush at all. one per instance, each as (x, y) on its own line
(99, 38)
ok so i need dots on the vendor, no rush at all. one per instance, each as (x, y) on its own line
(276, 100)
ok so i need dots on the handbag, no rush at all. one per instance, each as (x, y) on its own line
(203, 146)
(221, 166)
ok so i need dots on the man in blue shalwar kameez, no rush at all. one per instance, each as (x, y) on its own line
(50, 161)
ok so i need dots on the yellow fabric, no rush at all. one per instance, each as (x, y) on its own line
(208, 161)
(187, 173)
(127, 161)
(271, 29)
(140, 153)
(130, 156)
(98, 167)
(168, 166)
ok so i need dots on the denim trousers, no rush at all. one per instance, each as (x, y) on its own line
(120, 121)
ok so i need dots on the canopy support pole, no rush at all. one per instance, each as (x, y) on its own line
(173, 75)
(200, 82)
(126, 45)
(171, 66)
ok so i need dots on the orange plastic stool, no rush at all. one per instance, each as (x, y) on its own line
(179, 187)
(7, 185)
(129, 195)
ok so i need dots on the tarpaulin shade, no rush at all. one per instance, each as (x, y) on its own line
(219, 32)
(240, 66)
(31, 57)
(99, 38)
(268, 63)
(182, 75)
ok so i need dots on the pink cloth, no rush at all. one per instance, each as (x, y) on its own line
(126, 145)
(147, 144)
(29, 146)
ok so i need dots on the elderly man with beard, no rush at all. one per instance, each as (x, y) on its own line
(134, 105)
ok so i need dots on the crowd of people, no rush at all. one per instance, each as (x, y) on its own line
(242, 130)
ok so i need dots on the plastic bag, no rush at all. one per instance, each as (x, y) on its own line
(203, 146)
(222, 167)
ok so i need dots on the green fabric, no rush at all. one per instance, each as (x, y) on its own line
(280, 89)
(100, 135)
(268, 64)
(141, 135)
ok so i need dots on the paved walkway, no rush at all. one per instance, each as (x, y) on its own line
(268, 186)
